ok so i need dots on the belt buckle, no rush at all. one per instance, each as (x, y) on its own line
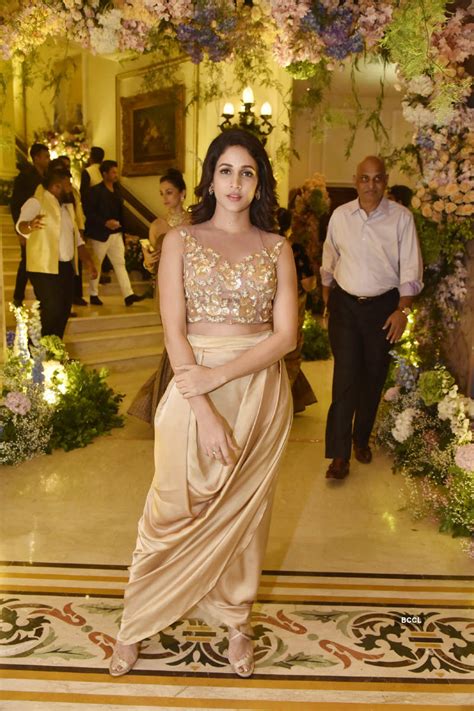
(361, 299)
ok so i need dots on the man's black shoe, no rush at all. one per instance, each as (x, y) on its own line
(363, 454)
(95, 301)
(338, 469)
(79, 301)
(132, 299)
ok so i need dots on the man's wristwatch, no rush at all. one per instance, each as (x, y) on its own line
(406, 310)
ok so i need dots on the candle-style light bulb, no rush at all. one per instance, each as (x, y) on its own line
(228, 109)
(247, 95)
(266, 109)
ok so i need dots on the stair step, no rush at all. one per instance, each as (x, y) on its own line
(92, 324)
(10, 240)
(147, 357)
(10, 263)
(107, 291)
(84, 345)
(139, 287)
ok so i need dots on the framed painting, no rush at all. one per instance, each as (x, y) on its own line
(153, 132)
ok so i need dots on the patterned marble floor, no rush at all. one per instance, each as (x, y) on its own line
(317, 637)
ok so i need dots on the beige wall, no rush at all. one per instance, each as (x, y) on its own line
(7, 122)
(106, 80)
(325, 154)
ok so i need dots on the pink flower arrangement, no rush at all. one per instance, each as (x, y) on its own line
(392, 394)
(464, 457)
(18, 403)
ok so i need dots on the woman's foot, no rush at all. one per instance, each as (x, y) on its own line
(240, 653)
(123, 658)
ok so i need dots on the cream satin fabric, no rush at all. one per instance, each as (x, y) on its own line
(203, 532)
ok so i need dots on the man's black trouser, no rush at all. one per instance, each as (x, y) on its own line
(21, 278)
(361, 361)
(55, 293)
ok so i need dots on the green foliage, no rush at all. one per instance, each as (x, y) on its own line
(87, 409)
(458, 518)
(366, 119)
(407, 38)
(303, 70)
(449, 93)
(316, 342)
(442, 240)
(433, 384)
(54, 349)
(407, 159)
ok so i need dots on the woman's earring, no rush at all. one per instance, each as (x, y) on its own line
(258, 194)
(211, 189)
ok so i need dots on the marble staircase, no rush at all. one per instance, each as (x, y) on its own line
(111, 335)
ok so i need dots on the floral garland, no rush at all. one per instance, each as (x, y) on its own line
(424, 422)
(43, 390)
(428, 44)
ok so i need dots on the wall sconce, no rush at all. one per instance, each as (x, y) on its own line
(261, 127)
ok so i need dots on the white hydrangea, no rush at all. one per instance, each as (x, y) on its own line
(457, 410)
(418, 115)
(105, 39)
(403, 427)
(421, 85)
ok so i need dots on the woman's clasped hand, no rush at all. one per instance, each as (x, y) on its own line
(192, 380)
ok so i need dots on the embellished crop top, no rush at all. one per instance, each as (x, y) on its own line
(220, 292)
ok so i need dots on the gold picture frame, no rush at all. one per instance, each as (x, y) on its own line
(153, 132)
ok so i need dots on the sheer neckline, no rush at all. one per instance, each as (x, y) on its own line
(231, 265)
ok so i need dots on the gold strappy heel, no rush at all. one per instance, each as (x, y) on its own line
(118, 666)
(244, 666)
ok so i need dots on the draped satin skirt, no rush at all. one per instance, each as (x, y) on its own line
(203, 533)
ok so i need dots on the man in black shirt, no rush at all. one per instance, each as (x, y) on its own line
(24, 186)
(104, 228)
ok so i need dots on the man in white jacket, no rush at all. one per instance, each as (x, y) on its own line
(48, 223)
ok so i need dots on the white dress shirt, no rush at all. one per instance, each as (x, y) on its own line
(32, 207)
(368, 255)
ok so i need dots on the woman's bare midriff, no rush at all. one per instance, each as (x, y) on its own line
(205, 328)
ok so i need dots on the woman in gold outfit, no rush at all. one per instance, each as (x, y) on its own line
(228, 298)
(173, 194)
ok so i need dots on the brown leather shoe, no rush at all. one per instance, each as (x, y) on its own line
(338, 469)
(363, 454)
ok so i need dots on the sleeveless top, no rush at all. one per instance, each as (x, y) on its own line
(220, 292)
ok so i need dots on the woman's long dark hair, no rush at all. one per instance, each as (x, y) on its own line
(262, 211)
(175, 177)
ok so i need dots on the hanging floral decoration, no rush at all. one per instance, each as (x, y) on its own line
(72, 143)
(47, 400)
(428, 44)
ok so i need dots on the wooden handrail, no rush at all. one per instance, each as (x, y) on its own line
(21, 150)
(137, 204)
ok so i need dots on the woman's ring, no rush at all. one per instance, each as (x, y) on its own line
(214, 452)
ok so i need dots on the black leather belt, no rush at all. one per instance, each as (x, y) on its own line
(366, 299)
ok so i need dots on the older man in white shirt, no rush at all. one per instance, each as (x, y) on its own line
(371, 270)
(48, 222)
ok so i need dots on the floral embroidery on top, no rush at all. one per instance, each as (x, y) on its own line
(221, 292)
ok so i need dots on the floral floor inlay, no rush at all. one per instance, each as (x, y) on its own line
(319, 628)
